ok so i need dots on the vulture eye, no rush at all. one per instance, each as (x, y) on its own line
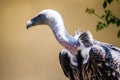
(37, 18)
(39, 15)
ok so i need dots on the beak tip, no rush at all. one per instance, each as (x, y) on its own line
(29, 24)
(27, 27)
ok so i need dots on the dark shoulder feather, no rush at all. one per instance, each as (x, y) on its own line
(65, 65)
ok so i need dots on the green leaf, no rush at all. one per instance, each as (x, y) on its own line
(113, 20)
(100, 26)
(108, 14)
(118, 23)
(109, 1)
(103, 16)
(105, 4)
(89, 10)
(118, 34)
(105, 25)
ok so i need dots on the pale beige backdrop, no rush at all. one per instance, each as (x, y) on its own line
(33, 54)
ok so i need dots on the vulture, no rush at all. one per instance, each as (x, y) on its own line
(83, 58)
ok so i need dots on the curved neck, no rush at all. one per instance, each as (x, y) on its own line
(66, 40)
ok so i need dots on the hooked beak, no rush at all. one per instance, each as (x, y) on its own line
(34, 21)
(29, 24)
(38, 20)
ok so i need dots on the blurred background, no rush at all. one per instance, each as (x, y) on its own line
(33, 54)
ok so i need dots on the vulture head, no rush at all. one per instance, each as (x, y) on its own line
(46, 17)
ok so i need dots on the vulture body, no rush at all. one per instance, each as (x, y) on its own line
(83, 58)
(103, 62)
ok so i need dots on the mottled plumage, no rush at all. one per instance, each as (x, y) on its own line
(83, 58)
(103, 62)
